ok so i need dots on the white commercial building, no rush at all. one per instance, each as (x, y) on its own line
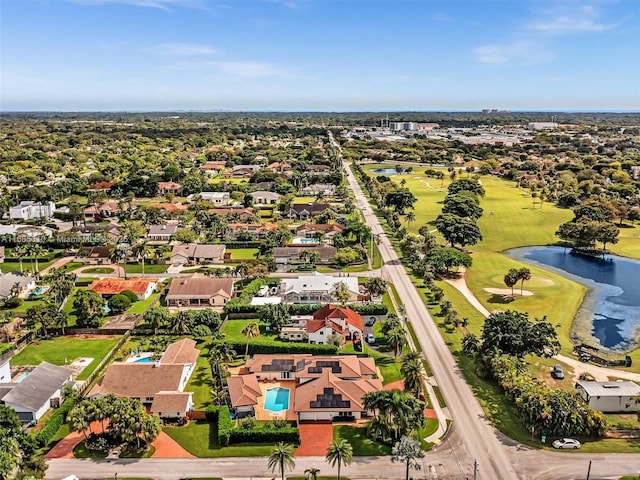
(32, 210)
(610, 397)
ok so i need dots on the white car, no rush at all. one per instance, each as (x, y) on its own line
(566, 443)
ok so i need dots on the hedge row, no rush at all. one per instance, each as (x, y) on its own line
(289, 347)
(46, 433)
(308, 308)
(227, 435)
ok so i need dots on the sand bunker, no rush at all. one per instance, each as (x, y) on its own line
(507, 291)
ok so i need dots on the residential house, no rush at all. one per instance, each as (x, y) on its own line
(280, 167)
(97, 255)
(285, 255)
(262, 186)
(39, 391)
(109, 208)
(108, 287)
(169, 187)
(197, 254)
(211, 168)
(1, 254)
(256, 229)
(219, 199)
(317, 288)
(171, 207)
(241, 171)
(145, 381)
(265, 198)
(101, 186)
(319, 189)
(97, 233)
(326, 230)
(161, 233)
(635, 172)
(199, 291)
(5, 369)
(319, 169)
(304, 211)
(172, 404)
(328, 320)
(28, 210)
(22, 233)
(237, 214)
(15, 283)
(321, 388)
(610, 397)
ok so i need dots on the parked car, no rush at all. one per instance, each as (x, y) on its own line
(557, 372)
(566, 443)
(370, 321)
(371, 338)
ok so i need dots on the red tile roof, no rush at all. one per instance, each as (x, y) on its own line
(169, 186)
(331, 311)
(114, 286)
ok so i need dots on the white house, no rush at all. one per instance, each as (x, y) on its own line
(265, 198)
(26, 233)
(317, 288)
(5, 370)
(32, 210)
(39, 391)
(220, 199)
(610, 397)
(22, 283)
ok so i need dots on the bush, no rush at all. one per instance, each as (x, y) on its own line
(307, 308)
(119, 303)
(130, 295)
(51, 427)
(13, 302)
(290, 347)
(221, 416)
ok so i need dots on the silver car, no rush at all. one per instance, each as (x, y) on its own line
(566, 443)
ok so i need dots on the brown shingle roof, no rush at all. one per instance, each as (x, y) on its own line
(200, 287)
(139, 380)
(199, 250)
(183, 351)
(244, 390)
(171, 402)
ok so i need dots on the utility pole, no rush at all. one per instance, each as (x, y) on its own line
(589, 470)
(475, 470)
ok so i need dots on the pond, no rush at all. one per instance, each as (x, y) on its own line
(611, 307)
(386, 171)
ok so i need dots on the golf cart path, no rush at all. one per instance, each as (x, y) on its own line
(601, 374)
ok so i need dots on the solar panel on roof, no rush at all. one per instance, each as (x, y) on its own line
(330, 399)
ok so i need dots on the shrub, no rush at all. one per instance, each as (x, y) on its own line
(130, 295)
(46, 433)
(119, 303)
(273, 347)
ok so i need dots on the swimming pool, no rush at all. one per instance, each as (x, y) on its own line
(39, 290)
(22, 377)
(144, 360)
(276, 399)
(302, 240)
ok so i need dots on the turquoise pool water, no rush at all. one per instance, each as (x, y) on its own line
(276, 399)
(144, 360)
(22, 377)
(39, 290)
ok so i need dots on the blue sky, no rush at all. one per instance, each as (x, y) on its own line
(319, 55)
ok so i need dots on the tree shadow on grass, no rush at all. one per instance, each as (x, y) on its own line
(500, 299)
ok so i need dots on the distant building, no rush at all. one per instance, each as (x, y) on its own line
(32, 210)
(635, 172)
(285, 255)
(543, 126)
(169, 187)
(265, 198)
(219, 199)
(403, 126)
(198, 291)
(161, 233)
(317, 288)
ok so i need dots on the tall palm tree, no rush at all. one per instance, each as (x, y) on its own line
(115, 255)
(143, 250)
(77, 418)
(412, 370)
(20, 251)
(396, 339)
(410, 218)
(282, 458)
(340, 452)
(251, 330)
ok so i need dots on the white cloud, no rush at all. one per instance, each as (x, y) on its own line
(519, 53)
(584, 19)
(162, 4)
(182, 49)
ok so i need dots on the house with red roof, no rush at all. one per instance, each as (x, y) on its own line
(328, 320)
(108, 287)
(169, 187)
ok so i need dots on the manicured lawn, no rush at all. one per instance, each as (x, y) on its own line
(141, 305)
(201, 382)
(68, 307)
(233, 332)
(357, 437)
(243, 253)
(7, 267)
(24, 306)
(148, 268)
(57, 350)
(99, 270)
(200, 438)
(70, 266)
(80, 451)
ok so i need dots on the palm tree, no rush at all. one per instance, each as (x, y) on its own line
(157, 317)
(282, 458)
(412, 370)
(396, 340)
(409, 218)
(181, 322)
(77, 418)
(340, 452)
(408, 451)
(312, 473)
(20, 251)
(143, 250)
(115, 255)
(251, 330)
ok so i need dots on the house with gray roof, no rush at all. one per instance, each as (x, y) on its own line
(39, 391)
(610, 397)
(263, 197)
(197, 254)
(161, 233)
(21, 282)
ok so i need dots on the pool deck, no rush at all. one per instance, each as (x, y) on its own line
(262, 414)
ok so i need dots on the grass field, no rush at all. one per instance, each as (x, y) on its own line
(141, 305)
(61, 350)
(99, 270)
(201, 382)
(148, 268)
(200, 438)
(243, 253)
(7, 267)
(357, 437)
(68, 307)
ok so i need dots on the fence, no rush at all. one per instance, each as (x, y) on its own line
(87, 383)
